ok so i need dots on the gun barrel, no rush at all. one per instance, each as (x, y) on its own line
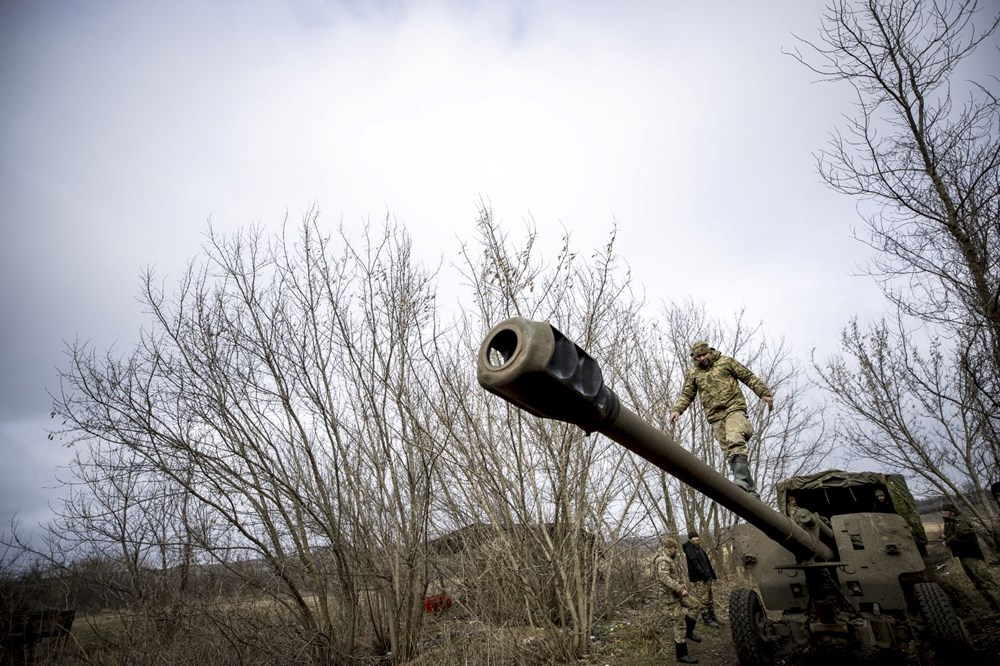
(535, 367)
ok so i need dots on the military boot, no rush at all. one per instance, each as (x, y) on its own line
(682, 654)
(709, 620)
(740, 467)
(690, 635)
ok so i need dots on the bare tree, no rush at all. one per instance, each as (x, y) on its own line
(923, 154)
(553, 498)
(912, 410)
(549, 494)
(279, 397)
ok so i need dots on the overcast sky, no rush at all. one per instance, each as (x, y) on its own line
(125, 126)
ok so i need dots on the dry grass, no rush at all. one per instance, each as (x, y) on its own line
(252, 631)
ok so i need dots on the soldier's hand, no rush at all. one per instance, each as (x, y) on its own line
(769, 401)
(673, 417)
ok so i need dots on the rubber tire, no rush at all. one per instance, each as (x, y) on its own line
(946, 635)
(747, 620)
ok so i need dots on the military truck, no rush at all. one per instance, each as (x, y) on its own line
(832, 571)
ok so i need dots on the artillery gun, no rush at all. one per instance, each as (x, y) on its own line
(830, 571)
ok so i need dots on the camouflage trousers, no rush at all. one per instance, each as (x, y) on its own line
(704, 593)
(672, 613)
(982, 579)
(732, 433)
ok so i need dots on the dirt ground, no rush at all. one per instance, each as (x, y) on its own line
(625, 642)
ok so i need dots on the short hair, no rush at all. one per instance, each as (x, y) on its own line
(692, 535)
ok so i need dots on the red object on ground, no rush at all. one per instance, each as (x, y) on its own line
(437, 603)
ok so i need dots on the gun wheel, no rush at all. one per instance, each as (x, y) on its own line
(750, 626)
(944, 632)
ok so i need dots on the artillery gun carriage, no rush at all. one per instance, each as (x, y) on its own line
(831, 571)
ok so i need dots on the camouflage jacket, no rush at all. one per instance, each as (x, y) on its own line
(719, 387)
(960, 537)
(670, 573)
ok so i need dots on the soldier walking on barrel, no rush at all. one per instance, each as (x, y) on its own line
(716, 378)
(676, 603)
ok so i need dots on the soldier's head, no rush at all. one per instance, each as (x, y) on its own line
(948, 509)
(701, 353)
(669, 544)
(694, 538)
(879, 495)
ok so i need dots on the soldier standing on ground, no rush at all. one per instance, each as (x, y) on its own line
(701, 574)
(716, 378)
(960, 537)
(676, 603)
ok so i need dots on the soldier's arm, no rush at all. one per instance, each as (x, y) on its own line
(751, 380)
(948, 533)
(688, 392)
(667, 579)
